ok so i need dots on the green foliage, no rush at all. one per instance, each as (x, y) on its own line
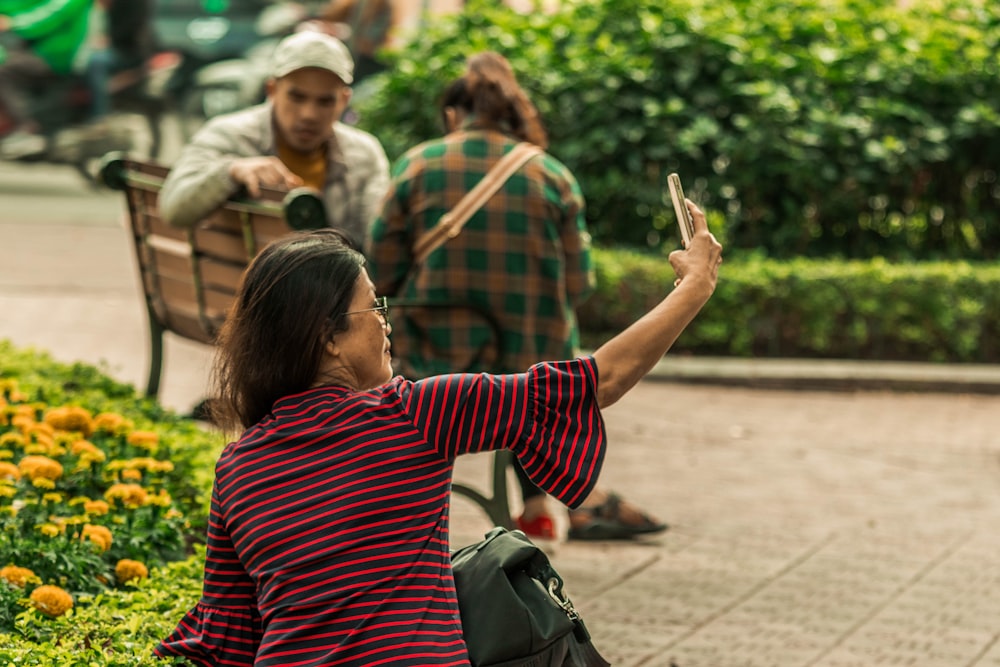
(117, 628)
(933, 311)
(851, 128)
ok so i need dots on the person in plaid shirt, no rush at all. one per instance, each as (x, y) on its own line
(524, 256)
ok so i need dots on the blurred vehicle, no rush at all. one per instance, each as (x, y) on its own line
(237, 83)
(199, 33)
(214, 38)
(63, 106)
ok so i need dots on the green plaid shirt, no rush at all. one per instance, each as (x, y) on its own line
(524, 256)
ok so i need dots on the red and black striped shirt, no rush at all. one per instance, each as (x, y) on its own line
(328, 533)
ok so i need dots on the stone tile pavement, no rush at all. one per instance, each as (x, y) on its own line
(822, 515)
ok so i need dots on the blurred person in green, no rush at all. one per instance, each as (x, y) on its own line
(40, 39)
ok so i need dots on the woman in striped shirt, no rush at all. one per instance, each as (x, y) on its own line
(328, 529)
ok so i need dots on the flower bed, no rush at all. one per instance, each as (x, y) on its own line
(102, 492)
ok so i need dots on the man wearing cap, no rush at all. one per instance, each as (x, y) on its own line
(293, 139)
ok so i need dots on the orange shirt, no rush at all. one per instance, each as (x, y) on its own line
(310, 168)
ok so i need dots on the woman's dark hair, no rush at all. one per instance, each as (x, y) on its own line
(490, 91)
(289, 304)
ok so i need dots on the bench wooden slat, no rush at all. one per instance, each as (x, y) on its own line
(216, 273)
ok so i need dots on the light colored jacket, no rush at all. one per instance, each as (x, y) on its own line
(356, 181)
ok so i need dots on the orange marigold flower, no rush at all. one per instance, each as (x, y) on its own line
(9, 471)
(21, 422)
(40, 467)
(80, 446)
(147, 440)
(51, 600)
(131, 495)
(96, 507)
(99, 535)
(128, 570)
(70, 418)
(132, 475)
(109, 422)
(17, 576)
(41, 432)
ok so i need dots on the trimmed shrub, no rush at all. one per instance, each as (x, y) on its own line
(852, 128)
(947, 312)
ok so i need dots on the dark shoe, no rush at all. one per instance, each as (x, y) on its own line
(605, 522)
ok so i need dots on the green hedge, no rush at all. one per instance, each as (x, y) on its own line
(853, 128)
(947, 312)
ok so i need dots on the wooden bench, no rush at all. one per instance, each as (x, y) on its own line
(189, 275)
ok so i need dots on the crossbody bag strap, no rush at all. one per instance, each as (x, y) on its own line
(451, 223)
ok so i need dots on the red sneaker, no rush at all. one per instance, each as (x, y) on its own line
(541, 527)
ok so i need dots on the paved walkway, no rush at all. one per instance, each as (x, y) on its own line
(821, 522)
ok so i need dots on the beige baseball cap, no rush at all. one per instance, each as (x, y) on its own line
(311, 48)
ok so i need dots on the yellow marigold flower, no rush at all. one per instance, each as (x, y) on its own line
(109, 422)
(51, 600)
(96, 507)
(53, 497)
(11, 440)
(173, 514)
(6, 455)
(43, 483)
(35, 467)
(131, 495)
(17, 576)
(36, 449)
(7, 491)
(147, 440)
(99, 535)
(89, 458)
(161, 499)
(50, 530)
(127, 570)
(9, 471)
(132, 475)
(115, 465)
(70, 418)
(161, 466)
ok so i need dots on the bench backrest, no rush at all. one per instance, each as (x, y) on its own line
(189, 275)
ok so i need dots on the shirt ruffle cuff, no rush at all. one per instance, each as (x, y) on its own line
(564, 449)
(208, 634)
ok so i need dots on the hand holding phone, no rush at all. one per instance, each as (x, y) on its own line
(684, 220)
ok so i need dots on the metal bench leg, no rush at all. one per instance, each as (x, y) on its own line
(155, 357)
(497, 507)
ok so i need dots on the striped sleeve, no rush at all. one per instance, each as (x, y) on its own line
(224, 628)
(549, 418)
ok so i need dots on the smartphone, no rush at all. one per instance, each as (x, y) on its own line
(684, 220)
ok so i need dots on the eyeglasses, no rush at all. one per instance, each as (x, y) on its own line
(381, 307)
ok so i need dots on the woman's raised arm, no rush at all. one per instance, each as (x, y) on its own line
(627, 357)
